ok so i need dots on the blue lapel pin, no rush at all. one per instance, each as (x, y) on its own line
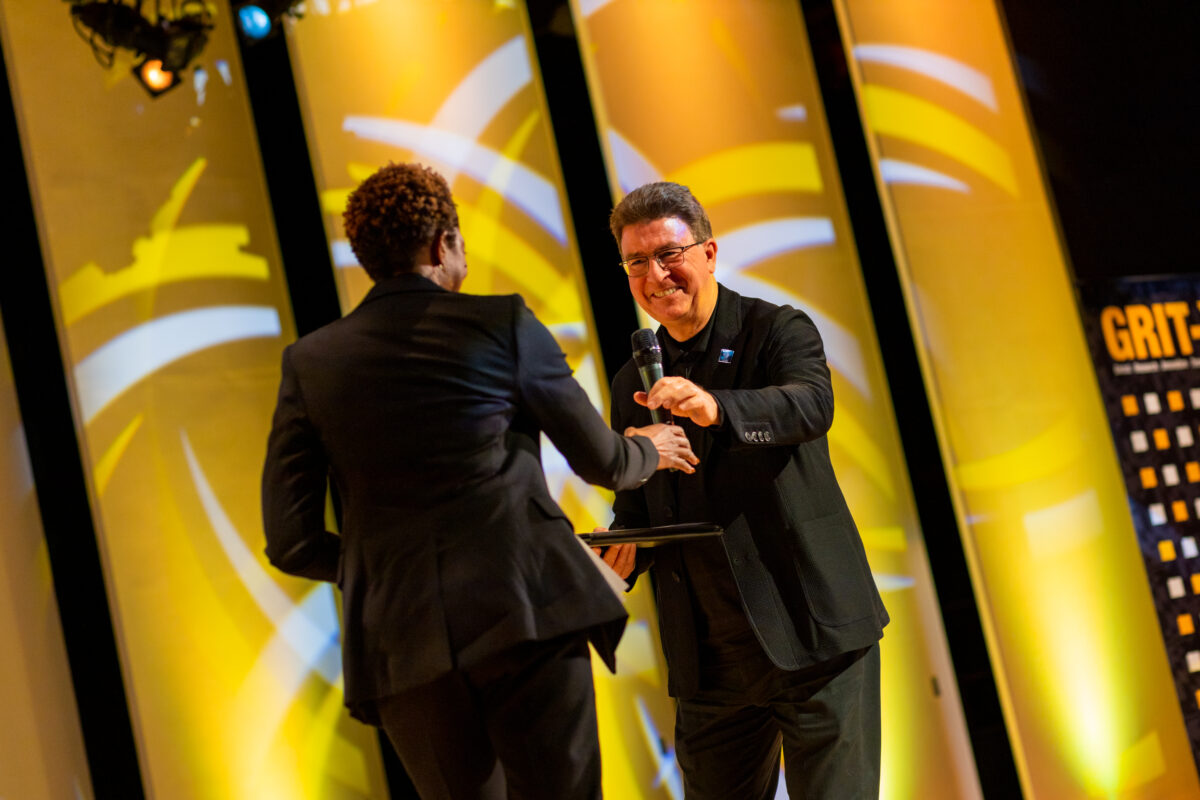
(726, 357)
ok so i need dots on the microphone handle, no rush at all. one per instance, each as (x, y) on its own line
(651, 373)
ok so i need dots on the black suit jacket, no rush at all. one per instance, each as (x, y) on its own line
(424, 409)
(765, 476)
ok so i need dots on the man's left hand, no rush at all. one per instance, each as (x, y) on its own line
(682, 398)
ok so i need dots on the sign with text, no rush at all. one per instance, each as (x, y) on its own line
(1143, 337)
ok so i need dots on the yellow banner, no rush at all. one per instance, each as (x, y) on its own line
(723, 98)
(172, 312)
(1087, 694)
(40, 737)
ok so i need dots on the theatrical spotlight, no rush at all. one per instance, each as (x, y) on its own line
(168, 39)
(257, 19)
(154, 78)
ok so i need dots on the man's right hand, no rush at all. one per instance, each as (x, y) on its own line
(674, 450)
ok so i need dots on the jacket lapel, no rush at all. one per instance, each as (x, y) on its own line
(720, 366)
(712, 372)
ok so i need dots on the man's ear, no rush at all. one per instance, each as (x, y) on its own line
(436, 256)
(442, 244)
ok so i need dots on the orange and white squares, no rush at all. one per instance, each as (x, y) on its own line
(1139, 442)
(1166, 550)
(1195, 395)
(1179, 511)
(1187, 625)
(1192, 470)
(1161, 440)
(1175, 587)
(1129, 404)
(1170, 474)
(1183, 436)
(1151, 403)
(1193, 660)
(1196, 583)
(1158, 513)
(1149, 477)
(1187, 546)
(1175, 400)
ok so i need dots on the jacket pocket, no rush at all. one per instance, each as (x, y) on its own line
(833, 572)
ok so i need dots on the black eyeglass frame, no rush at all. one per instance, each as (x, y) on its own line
(659, 255)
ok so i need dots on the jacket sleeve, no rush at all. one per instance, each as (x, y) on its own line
(293, 489)
(561, 408)
(629, 506)
(795, 404)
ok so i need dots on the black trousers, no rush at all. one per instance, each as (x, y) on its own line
(728, 737)
(522, 725)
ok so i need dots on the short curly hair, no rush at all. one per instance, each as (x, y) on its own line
(395, 213)
(658, 201)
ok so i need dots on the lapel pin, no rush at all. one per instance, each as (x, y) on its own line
(726, 357)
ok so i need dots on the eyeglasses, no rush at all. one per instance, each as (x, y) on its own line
(667, 258)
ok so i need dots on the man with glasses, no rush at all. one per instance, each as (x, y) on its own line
(771, 630)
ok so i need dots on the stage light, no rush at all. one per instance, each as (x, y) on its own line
(253, 22)
(156, 80)
(258, 19)
(171, 39)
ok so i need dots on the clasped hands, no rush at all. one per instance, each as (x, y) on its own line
(683, 399)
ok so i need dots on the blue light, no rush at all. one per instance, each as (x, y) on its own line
(254, 22)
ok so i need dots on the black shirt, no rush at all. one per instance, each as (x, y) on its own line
(723, 632)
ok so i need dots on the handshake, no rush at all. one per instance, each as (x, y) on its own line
(674, 450)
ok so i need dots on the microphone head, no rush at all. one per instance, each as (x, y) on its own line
(645, 347)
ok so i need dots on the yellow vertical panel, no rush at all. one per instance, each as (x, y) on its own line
(456, 85)
(40, 738)
(1089, 704)
(723, 98)
(172, 311)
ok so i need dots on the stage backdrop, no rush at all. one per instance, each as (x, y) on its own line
(1087, 694)
(722, 97)
(1142, 335)
(42, 747)
(456, 86)
(162, 263)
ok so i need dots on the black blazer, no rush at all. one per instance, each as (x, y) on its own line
(424, 409)
(765, 476)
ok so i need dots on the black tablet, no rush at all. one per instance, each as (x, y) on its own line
(656, 535)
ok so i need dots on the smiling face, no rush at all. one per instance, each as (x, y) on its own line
(681, 297)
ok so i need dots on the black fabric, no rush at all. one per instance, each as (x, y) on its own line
(519, 726)
(765, 476)
(723, 634)
(797, 563)
(825, 719)
(424, 408)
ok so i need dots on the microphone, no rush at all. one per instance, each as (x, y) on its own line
(648, 357)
